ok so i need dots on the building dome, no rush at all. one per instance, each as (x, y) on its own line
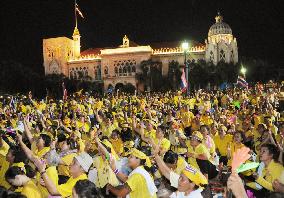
(219, 27)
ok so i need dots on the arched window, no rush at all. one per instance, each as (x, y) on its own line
(128, 69)
(133, 69)
(106, 70)
(211, 56)
(120, 70)
(222, 55)
(232, 56)
(115, 70)
(124, 70)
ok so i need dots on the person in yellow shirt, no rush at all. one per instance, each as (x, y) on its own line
(14, 157)
(68, 150)
(139, 183)
(116, 142)
(207, 140)
(234, 146)
(221, 142)
(17, 178)
(78, 169)
(269, 170)
(189, 183)
(175, 162)
(199, 156)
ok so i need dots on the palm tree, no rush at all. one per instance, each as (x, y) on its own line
(151, 74)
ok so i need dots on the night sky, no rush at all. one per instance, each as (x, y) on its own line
(256, 24)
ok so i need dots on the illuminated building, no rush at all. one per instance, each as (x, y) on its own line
(120, 64)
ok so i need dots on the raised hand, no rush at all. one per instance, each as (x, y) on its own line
(239, 157)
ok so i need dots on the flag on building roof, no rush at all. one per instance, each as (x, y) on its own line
(183, 81)
(242, 82)
(79, 11)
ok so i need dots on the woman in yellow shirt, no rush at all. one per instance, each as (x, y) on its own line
(234, 146)
(68, 150)
(269, 170)
(139, 183)
(175, 162)
(199, 156)
(17, 178)
(221, 142)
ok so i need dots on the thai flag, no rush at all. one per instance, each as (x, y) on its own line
(183, 82)
(242, 82)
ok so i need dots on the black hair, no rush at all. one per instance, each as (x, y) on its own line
(126, 135)
(86, 189)
(170, 157)
(273, 150)
(13, 171)
(46, 139)
(18, 153)
(61, 137)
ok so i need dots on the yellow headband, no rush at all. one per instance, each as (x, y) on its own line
(141, 155)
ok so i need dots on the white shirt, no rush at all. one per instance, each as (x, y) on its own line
(174, 183)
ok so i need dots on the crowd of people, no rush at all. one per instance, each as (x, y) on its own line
(209, 144)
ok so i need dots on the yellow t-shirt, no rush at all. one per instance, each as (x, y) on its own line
(66, 189)
(4, 165)
(222, 144)
(117, 145)
(107, 130)
(30, 190)
(138, 186)
(272, 172)
(165, 144)
(63, 169)
(181, 164)
(186, 118)
(199, 150)
(4, 148)
(40, 153)
(105, 174)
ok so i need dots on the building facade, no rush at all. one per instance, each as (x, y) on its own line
(119, 65)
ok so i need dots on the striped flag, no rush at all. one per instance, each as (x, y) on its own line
(78, 10)
(183, 82)
(64, 92)
(242, 82)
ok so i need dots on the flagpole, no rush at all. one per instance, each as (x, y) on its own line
(75, 3)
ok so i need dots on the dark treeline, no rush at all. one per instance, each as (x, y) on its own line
(17, 78)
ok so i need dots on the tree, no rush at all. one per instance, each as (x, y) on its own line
(151, 74)
(174, 75)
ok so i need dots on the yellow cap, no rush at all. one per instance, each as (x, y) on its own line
(195, 176)
(140, 155)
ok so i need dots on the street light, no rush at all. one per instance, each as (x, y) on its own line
(184, 46)
(243, 71)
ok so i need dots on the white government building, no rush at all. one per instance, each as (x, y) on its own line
(111, 66)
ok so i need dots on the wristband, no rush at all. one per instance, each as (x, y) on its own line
(116, 171)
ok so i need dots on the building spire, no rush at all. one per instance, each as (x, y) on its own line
(219, 17)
